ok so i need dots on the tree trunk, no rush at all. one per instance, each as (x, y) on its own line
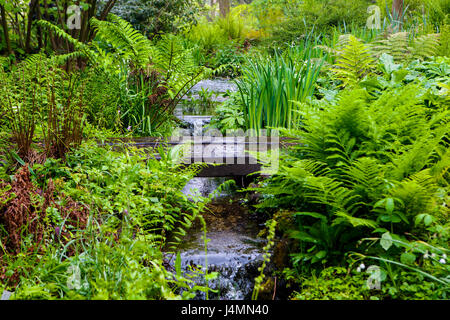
(225, 7)
(107, 9)
(397, 10)
(39, 29)
(5, 29)
(33, 6)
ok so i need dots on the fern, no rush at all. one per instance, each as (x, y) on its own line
(341, 43)
(365, 176)
(178, 67)
(128, 42)
(426, 46)
(83, 50)
(343, 217)
(396, 45)
(354, 62)
(402, 46)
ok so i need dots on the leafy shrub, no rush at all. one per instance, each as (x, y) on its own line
(222, 41)
(156, 17)
(149, 79)
(229, 115)
(338, 283)
(230, 58)
(321, 16)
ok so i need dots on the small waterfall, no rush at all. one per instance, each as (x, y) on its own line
(195, 124)
(204, 187)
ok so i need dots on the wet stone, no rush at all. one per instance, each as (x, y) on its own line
(234, 251)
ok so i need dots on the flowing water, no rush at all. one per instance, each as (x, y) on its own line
(234, 249)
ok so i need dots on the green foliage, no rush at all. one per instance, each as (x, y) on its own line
(39, 93)
(321, 16)
(401, 47)
(136, 210)
(334, 283)
(148, 80)
(422, 268)
(353, 62)
(444, 49)
(229, 59)
(338, 283)
(269, 88)
(156, 17)
(271, 226)
(229, 115)
(180, 73)
(207, 35)
(220, 42)
(364, 163)
(149, 192)
(129, 43)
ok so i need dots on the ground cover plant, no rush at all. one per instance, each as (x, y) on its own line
(359, 206)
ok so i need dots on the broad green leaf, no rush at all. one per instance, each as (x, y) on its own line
(390, 205)
(408, 258)
(388, 63)
(386, 241)
(321, 254)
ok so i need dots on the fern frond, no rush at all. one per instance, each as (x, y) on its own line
(177, 65)
(129, 42)
(82, 49)
(342, 42)
(353, 63)
(343, 217)
(426, 46)
(364, 176)
(396, 45)
(328, 191)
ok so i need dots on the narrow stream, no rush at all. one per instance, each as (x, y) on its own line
(234, 249)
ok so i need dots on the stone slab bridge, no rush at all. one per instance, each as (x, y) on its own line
(222, 156)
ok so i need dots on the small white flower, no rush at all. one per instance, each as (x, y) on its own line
(433, 255)
(426, 256)
(444, 256)
(442, 261)
(362, 266)
(358, 269)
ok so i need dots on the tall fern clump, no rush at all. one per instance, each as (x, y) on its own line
(269, 88)
(42, 101)
(365, 165)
